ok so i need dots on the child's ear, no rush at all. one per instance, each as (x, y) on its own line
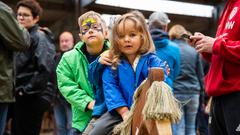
(105, 34)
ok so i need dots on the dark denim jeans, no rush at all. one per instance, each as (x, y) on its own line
(3, 116)
(187, 124)
(74, 131)
(63, 117)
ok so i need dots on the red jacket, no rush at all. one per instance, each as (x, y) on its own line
(224, 73)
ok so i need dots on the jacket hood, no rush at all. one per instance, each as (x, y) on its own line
(79, 45)
(160, 37)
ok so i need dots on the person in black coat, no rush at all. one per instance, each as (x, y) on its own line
(34, 70)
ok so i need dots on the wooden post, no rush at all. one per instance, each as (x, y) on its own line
(149, 127)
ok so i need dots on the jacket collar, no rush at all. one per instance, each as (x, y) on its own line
(33, 28)
(140, 65)
(81, 44)
(158, 34)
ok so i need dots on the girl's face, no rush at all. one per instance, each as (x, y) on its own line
(25, 17)
(129, 39)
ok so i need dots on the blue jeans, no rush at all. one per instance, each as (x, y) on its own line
(187, 124)
(63, 117)
(3, 116)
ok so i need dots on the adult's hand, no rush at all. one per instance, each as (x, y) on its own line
(202, 43)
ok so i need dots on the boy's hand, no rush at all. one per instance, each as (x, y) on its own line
(91, 105)
(105, 59)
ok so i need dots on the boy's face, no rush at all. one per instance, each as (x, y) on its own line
(92, 31)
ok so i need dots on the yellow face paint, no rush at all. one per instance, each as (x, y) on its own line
(88, 21)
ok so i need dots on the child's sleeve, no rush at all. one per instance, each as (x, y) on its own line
(154, 62)
(95, 72)
(69, 87)
(112, 92)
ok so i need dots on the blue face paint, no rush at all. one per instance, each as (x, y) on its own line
(89, 24)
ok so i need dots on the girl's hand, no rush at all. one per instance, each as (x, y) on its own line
(123, 111)
(124, 115)
(105, 59)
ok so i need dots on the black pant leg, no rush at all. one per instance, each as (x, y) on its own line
(231, 113)
(225, 115)
(216, 125)
(28, 113)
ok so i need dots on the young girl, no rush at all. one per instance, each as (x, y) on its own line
(131, 56)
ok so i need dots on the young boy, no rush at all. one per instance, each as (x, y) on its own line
(72, 71)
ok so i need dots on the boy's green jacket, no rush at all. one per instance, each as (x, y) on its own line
(73, 83)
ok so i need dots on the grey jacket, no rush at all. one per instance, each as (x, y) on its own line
(12, 38)
(190, 79)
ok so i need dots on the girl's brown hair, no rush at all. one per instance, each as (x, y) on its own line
(141, 26)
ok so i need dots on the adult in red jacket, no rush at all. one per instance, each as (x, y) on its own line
(223, 79)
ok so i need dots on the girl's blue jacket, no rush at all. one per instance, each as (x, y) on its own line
(119, 85)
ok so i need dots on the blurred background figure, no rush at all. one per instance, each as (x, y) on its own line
(166, 50)
(12, 38)
(188, 83)
(66, 41)
(62, 109)
(204, 105)
(34, 69)
(112, 20)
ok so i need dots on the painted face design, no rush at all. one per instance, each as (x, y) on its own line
(90, 23)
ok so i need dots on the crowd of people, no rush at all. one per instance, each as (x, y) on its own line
(90, 84)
